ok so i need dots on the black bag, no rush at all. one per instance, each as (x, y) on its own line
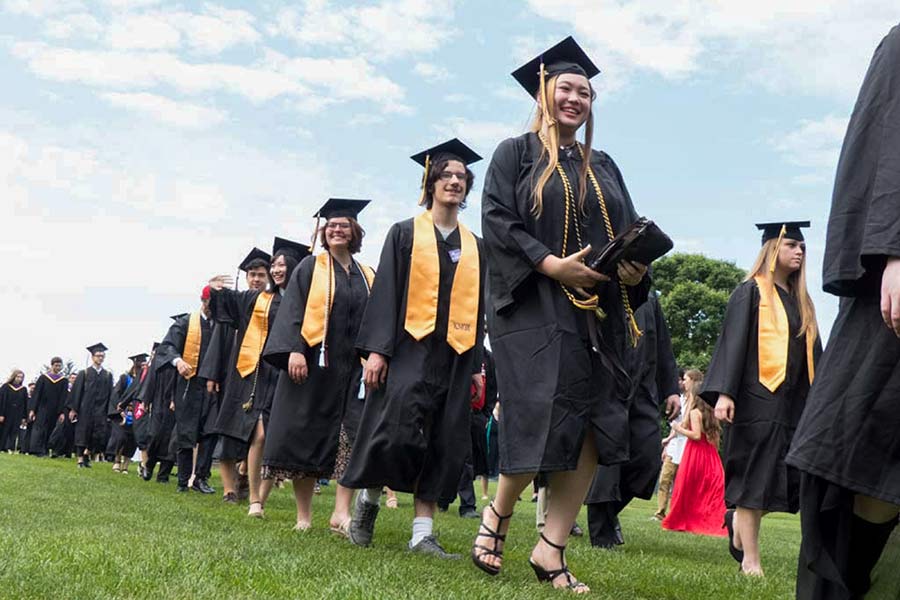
(642, 243)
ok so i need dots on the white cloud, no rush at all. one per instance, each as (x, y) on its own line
(166, 110)
(815, 144)
(431, 72)
(41, 8)
(482, 136)
(142, 32)
(383, 31)
(787, 47)
(80, 25)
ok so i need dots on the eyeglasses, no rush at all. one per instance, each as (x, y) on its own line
(337, 226)
(449, 175)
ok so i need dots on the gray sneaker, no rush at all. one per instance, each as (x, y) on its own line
(429, 545)
(362, 525)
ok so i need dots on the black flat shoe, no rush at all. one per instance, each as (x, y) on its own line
(736, 554)
(548, 575)
(479, 551)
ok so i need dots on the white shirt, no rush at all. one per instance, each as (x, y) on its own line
(675, 448)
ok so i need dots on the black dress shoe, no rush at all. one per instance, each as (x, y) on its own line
(182, 489)
(469, 513)
(203, 487)
(620, 539)
(164, 479)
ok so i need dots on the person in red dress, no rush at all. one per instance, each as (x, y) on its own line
(698, 500)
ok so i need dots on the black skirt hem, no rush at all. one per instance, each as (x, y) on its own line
(854, 486)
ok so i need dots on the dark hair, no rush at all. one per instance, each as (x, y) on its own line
(355, 242)
(255, 264)
(434, 174)
(55, 360)
(290, 261)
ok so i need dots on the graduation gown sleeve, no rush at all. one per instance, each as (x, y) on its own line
(726, 369)
(173, 344)
(515, 253)
(213, 366)
(35, 400)
(285, 337)
(377, 333)
(666, 367)
(73, 400)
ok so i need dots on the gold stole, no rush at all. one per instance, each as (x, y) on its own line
(14, 388)
(321, 292)
(424, 280)
(773, 338)
(255, 335)
(191, 354)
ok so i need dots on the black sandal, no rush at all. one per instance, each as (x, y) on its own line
(484, 550)
(549, 575)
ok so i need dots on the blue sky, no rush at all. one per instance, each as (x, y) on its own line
(145, 146)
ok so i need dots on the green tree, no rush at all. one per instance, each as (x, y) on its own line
(693, 293)
(68, 368)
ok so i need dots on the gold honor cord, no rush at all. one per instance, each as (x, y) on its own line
(255, 335)
(592, 303)
(318, 305)
(191, 354)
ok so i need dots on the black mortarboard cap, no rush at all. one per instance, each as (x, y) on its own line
(565, 57)
(143, 356)
(771, 231)
(255, 254)
(178, 316)
(454, 149)
(341, 207)
(281, 245)
(98, 347)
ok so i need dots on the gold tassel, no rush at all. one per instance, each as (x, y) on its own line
(774, 260)
(634, 332)
(545, 109)
(315, 236)
(425, 179)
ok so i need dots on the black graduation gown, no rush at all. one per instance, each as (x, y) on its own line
(215, 368)
(757, 442)
(15, 403)
(655, 375)
(554, 388)
(414, 433)
(157, 393)
(480, 418)
(235, 309)
(120, 436)
(90, 399)
(48, 403)
(191, 397)
(62, 438)
(305, 425)
(141, 425)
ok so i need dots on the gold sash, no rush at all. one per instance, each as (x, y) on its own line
(255, 335)
(773, 338)
(424, 280)
(191, 354)
(321, 291)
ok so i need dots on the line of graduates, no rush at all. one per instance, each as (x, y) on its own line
(583, 362)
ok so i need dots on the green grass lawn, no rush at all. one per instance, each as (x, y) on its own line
(68, 533)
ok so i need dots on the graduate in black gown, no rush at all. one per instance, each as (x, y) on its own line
(422, 336)
(13, 409)
(157, 394)
(89, 403)
(312, 346)
(141, 426)
(558, 329)
(46, 407)
(250, 384)
(846, 444)
(62, 439)
(122, 443)
(655, 378)
(758, 379)
(184, 347)
(221, 355)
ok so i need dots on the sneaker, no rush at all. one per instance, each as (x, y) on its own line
(362, 525)
(576, 530)
(430, 546)
(469, 513)
(230, 498)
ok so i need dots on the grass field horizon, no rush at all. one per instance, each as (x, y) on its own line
(68, 533)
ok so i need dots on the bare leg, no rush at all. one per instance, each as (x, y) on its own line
(484, 487)
(227, 473)
(303, 493)
(254, 463)
(873, 510)
(343, 499)
(567, 492)
(746, 538)
(508, 489)
(424, 509)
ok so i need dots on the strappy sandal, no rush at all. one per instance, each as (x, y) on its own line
(479, 551)
(343, 529)
(551, 574)
(391, 502)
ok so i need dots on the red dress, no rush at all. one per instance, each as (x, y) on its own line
(698, 499)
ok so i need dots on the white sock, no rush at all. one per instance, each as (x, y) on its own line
(372, 495)
(422, 527)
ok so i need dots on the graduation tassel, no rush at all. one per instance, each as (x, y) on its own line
(774, 260)
(545, 109)
(315, 236)
(323, 349)
(425, 179)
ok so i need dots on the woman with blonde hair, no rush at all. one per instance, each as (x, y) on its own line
(758, 379)
(559, 329)
(13, 402)
(698, 498)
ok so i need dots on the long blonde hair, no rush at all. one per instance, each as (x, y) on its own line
(549, 130)
(796, 284)
(12, 376)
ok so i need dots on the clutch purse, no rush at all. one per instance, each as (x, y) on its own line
(642, 243)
